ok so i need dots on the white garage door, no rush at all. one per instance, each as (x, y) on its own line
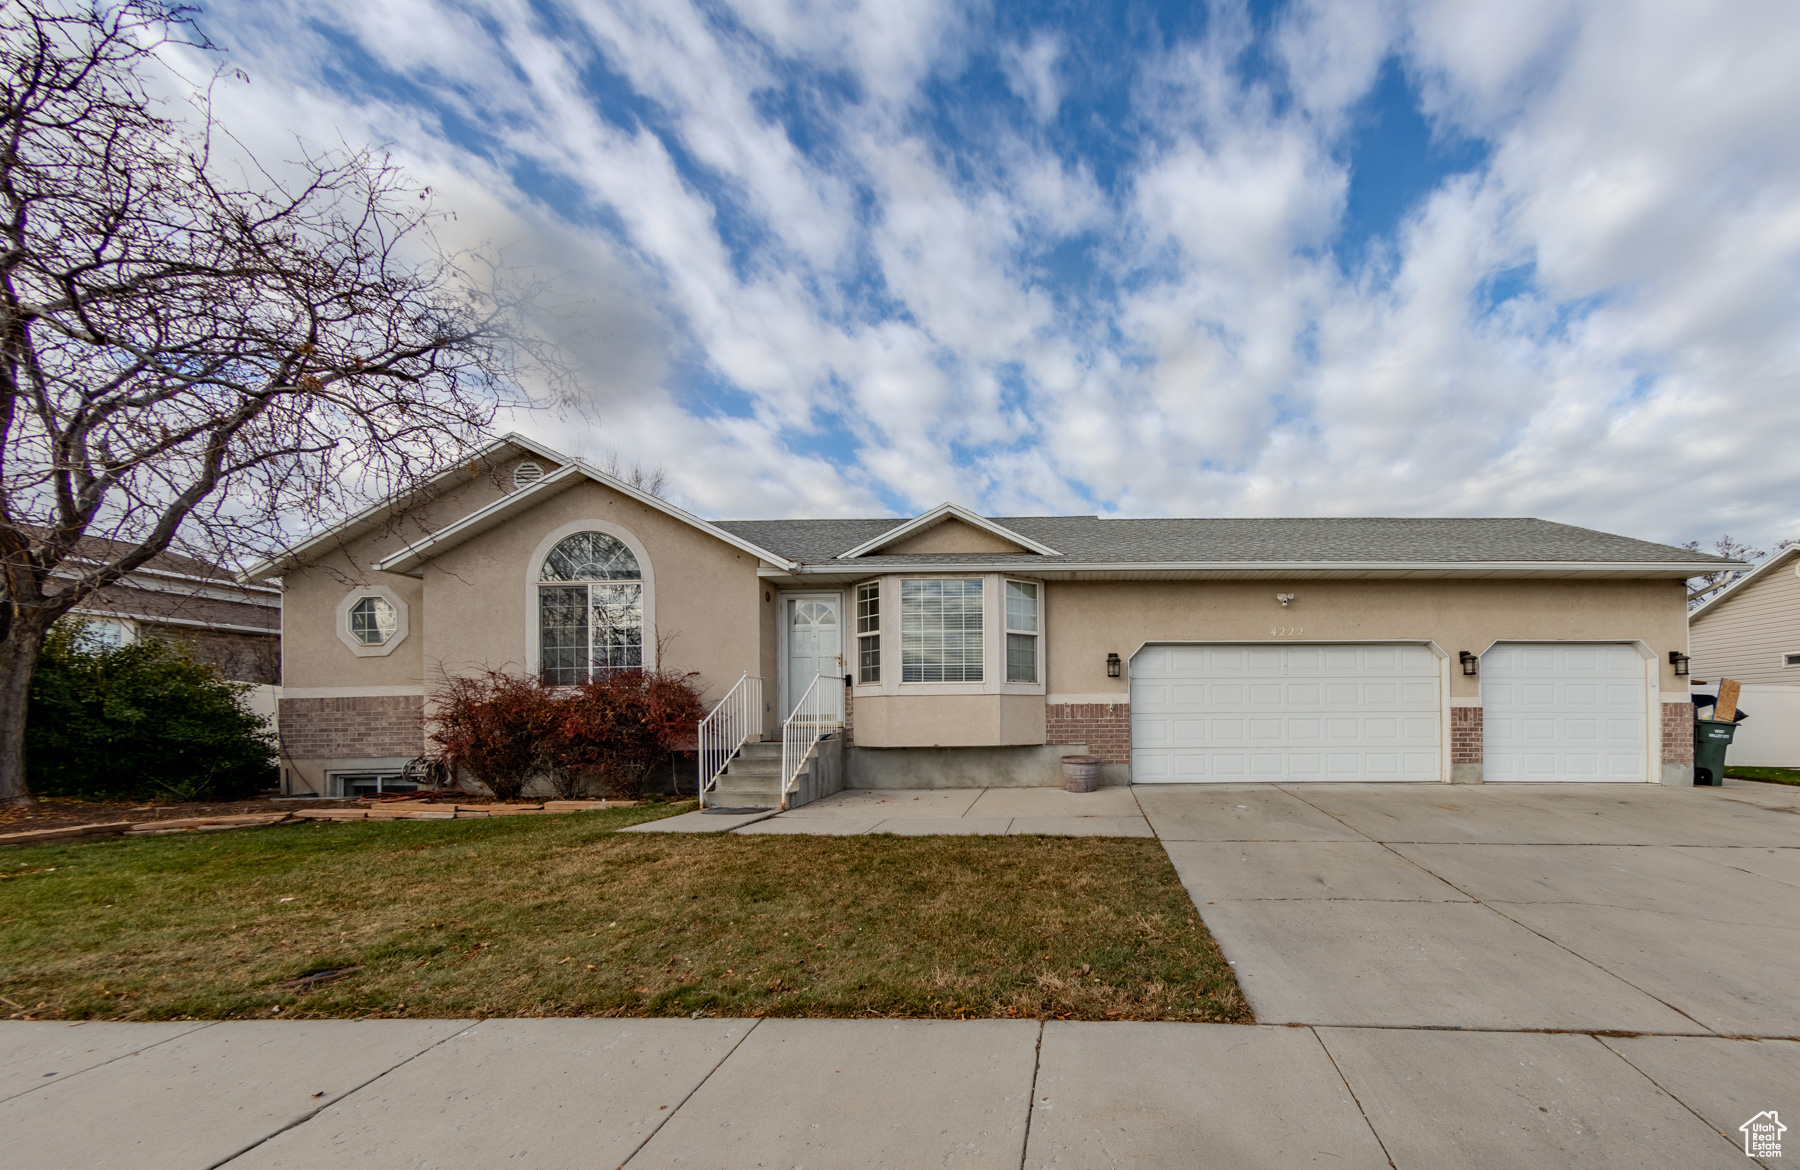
(1556, 712)
(1289, 712)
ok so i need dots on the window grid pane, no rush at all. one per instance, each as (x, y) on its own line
(618, 626)
(373, 621)
(940, 631)
(590, 556)
(868, 608)
(1021, 607)
(1021, 658)
(868, 655)
(563, 634)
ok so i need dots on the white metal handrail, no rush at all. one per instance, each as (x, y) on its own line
(726, 728)
(819, 711)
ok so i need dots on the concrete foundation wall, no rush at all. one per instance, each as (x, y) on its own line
(824, 774)
(1036, 766)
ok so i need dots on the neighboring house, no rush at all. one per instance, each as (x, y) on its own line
(1750, 631)
(975, 650)
(231, 624)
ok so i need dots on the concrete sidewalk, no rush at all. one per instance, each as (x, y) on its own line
(869, 1093)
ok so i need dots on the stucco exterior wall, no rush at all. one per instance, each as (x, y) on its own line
(704, 596)
(948, 720)
(474, 608)
(312, 655)
(1086, 620)
(951, 536)
(1746, 637)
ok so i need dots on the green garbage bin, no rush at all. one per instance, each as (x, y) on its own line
(1711, 738)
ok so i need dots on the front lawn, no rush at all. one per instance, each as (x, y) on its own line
(1769, 775)
(563, 916)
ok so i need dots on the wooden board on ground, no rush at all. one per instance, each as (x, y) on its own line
(65, 833)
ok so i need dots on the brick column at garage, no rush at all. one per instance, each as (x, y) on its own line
(1678, 733)
(1465, 745)
(1104, 727)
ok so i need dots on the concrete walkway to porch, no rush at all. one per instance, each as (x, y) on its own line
(918, 812)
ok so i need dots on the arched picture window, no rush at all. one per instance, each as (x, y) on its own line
(590, 609)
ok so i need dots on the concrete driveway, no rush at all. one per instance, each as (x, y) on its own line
(1592, 908)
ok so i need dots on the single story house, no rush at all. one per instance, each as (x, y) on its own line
(1750, 631)
(962, 649)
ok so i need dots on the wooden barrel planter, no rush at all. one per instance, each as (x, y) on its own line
(1081, 773)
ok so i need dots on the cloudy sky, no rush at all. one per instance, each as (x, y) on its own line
(1349, 258)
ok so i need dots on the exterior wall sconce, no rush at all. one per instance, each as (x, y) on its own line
(1284, 598)
(1470, 663)
(1679, 661)
(1113, 665)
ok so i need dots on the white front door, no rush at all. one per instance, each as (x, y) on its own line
(1564, 712)
(1224, 713)
(815, 646)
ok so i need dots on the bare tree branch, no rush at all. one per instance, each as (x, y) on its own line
(190, 360)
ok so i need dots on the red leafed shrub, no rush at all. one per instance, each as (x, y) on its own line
(496, 727)
(620, 725)
(506, 729)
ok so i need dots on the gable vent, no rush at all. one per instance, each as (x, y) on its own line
(526, 474)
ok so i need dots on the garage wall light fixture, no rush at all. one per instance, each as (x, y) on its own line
(1113, 665)
(1470, 663)
(1679, 661)
(1284, 598)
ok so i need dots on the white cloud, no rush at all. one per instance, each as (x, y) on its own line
(1643, 172)
(1031, 73)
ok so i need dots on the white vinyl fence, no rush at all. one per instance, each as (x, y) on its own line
(1770, 738)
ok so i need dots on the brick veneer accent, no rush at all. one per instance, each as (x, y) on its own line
(1104, 727)
(1465, 735)
(1678, 733)
(363, 726)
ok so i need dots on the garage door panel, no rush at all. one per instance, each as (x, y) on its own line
(1575, 713)
(1286, 712)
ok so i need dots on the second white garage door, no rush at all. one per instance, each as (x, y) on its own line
(1564, 712)
(1221, 713)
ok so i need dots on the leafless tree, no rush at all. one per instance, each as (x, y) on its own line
(1707, 584)
(201, 351)
(652, 481)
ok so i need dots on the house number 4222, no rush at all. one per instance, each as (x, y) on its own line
(1285, 631)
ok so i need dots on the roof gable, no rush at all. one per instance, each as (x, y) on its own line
(416, 552)
(409, 559)
(501, 451)
(913, 536)
(1748, 581)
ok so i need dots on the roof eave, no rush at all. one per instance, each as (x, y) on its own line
(365, 519)
(1446, 568)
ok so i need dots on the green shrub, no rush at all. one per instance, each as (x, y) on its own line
(140, 722)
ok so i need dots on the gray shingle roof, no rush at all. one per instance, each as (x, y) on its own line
(1384, 540)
